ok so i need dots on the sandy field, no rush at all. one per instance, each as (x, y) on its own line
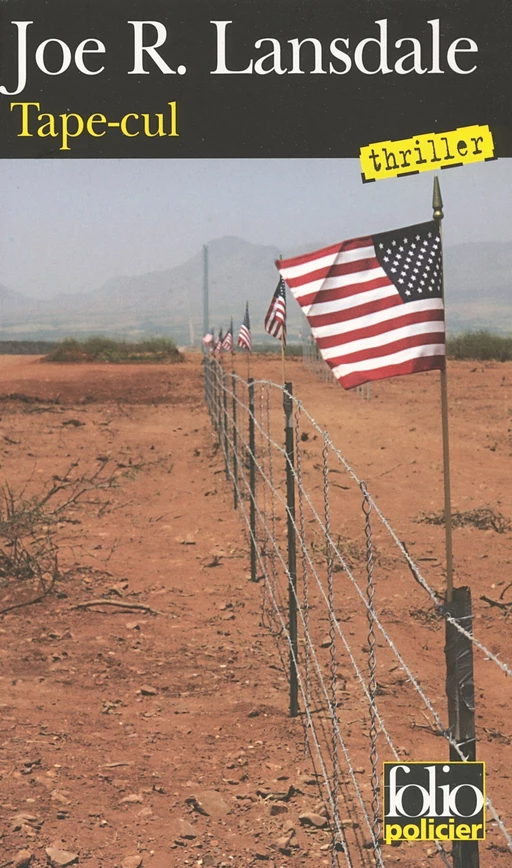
(153, 730)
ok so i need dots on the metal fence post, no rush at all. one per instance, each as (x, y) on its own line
(225, 444)
(292, 554)
(460, 690)
(214, 393)
(209, 383)
(252, 478)
(235, 443)
(217, 399)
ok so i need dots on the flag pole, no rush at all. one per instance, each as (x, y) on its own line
(282, 344)
(247, 349)
(232, 348)
(437, 205)
(220, 356)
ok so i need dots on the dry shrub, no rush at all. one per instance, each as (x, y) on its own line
(483, 518)
(28, 526)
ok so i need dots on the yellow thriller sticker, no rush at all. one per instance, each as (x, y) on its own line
(428, 151)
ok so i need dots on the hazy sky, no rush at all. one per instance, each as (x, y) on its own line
(68, 226)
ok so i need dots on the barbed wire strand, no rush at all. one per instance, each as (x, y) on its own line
(285, 633)
(276, 606)
(305, 575)
(412, 679)
(372, 660)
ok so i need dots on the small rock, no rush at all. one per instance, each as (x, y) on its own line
(132, 625)
(118, 588)
(254, 713)
(278, 809)
(58, 796)
(22, 859)
(283, 844)
(25, 821)
(326, 643)
(293, 841)
(75, 423)
(146, 690)
(310, 819)
(132, 799)
(188, 541)
(277, 796)
(287, 842)
(321, 809)
(210, 803)
(187, 830)
(44, 781)
(132, 862)
(60, 858)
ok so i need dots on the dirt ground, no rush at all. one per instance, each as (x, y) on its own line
(155, 732)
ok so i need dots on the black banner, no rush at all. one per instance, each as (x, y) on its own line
(234, 78)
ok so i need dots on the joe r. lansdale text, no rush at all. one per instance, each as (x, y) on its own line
(377, 54)
(152, 54)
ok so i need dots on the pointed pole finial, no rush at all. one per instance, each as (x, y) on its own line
(437, 201)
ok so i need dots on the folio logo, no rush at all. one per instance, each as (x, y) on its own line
(434, 801)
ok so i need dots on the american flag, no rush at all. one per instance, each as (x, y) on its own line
(244, 336)
(218, 343)
(374, 304)
(227, 343)
(208, 341)
(275, 320)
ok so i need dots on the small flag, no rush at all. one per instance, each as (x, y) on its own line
(208, 341)
(244, 337)
(227, 343)
(218, 343)
(275, 320)
(374, 304)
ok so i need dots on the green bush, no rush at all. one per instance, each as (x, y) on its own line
(480, 345)
(102, 349)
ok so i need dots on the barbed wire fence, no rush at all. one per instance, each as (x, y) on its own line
(331, 566)
(312, 360)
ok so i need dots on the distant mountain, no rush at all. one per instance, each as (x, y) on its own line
(478, 280)
(13, 302)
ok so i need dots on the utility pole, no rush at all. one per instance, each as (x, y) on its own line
(206, 312)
